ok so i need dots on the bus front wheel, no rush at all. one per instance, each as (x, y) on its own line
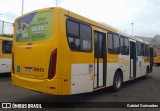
(117, 81)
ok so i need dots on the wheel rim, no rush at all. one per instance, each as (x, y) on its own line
(118, 81)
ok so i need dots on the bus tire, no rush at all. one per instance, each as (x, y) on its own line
(117, 81)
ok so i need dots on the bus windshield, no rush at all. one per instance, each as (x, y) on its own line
(34, 27)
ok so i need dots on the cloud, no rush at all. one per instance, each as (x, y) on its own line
(117, 13)
(121, 13)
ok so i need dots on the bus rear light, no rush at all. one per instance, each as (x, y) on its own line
(52, 64)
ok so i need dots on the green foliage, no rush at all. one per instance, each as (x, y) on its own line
(7, 35)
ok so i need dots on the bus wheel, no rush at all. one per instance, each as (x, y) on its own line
(117, 81)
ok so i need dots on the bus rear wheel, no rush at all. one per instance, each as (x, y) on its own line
(117, 81)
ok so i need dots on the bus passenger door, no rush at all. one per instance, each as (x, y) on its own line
(132, 59)
(99, 59)
(140, 63)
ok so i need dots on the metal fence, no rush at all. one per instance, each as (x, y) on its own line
(6, 29)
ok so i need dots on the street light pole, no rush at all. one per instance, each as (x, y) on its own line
(56, 3)
(132, 28)
(22, 6)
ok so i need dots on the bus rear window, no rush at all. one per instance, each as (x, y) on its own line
(34, 27)
(6, 47)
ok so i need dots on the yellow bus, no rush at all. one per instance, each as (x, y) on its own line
(5, 54)
(157, 57)
(58, 52)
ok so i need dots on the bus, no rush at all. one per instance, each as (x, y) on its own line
(59, 52)
(157, 57)
(5, 54)
(151, 52)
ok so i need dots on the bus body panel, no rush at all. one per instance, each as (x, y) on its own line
(5, 57)
(5, 65)
(38, 56)
(82, 78)
(44, 85)
(139, 66)
(32, 57)
(124, 64)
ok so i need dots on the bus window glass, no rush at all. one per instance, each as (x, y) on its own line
(73, 35)
(96, 54)
(139, 49)
(126, 46)
(122, 45)
(79, 36)
(142, 49)
(6, 47)
(74, 43)
(85, 36)
(101, 45)
(116, 44)
(73, 28)
(110, 43)
(146, 50)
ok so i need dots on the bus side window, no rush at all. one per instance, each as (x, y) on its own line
(79, 36)
(6, 47)
(146, 52)
(116, 44)
(113, 44)
(126, 46)
(85, 37)
(122, 48)
(73, 35)
(139, 49)
(142, 49)
(110, 43)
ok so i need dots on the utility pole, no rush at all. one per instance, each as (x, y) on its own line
(132, 28)
(22, 6)
(56, 3)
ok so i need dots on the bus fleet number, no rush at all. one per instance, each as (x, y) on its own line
(38, 69)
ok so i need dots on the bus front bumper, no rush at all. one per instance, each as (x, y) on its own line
(45, 85)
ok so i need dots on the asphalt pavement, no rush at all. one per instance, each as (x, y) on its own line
(139, 90)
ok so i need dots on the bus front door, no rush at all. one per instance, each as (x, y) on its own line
(99, 59)
(133, 59)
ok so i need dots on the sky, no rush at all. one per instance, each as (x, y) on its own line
(145, 14)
